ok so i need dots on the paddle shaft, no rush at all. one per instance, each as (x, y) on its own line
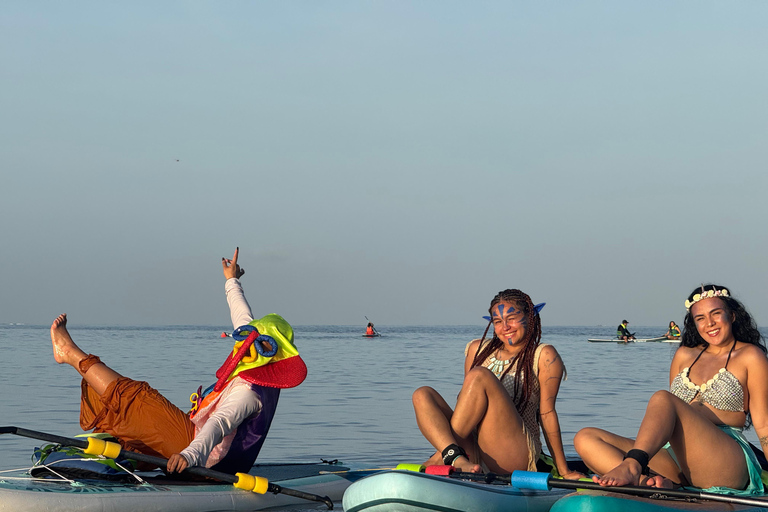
(653, 492)
(161, 462)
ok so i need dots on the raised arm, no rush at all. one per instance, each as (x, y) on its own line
(239, 309)
(551, 371)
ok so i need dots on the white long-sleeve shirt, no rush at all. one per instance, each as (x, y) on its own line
(237, 402)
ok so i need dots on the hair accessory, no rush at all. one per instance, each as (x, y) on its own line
(641, 457)
(451, 453)
(707, 294)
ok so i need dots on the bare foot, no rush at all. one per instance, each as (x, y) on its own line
(660, 482)
(434, 460)
(464, 465)
(64, 349)
(626, 473)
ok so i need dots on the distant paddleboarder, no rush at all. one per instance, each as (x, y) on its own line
(623, 333)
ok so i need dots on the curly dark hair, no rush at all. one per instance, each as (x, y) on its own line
(524, 359)
(743, 325)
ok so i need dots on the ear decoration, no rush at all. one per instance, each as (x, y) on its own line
(487, 318)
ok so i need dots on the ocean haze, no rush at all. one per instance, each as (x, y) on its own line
(400, 161)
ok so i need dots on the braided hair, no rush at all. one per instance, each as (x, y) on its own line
(523, 360)
(743, 325)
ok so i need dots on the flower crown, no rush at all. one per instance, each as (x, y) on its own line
(706, 294)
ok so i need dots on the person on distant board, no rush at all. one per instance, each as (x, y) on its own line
(623, 333)
(227, 426)
(370, 331)
(509, 391)
(692, 434)
(674, 331)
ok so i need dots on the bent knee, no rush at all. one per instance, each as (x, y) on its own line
(586, 438)
(663, 396)
(479, 374)
(423, 394)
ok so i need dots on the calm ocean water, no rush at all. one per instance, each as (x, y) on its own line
(355, 405)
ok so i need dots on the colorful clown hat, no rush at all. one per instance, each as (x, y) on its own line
(279, 366)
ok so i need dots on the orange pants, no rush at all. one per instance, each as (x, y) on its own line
(140, 417)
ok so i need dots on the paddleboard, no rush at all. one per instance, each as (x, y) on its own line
(407, 491)
(19, 492)
(371, 335)
(597, 501)
(617, 340)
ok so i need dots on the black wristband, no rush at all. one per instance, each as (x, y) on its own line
(451, 453)
(641, 457)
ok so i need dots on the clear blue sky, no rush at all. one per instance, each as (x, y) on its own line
(397, 160)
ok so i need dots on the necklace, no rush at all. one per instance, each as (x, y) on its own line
(497, 366)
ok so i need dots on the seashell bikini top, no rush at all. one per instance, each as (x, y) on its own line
(723, 391)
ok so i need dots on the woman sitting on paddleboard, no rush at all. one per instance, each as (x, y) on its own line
(227, 427)
(692, 434)
(674, 331)
(510, 387)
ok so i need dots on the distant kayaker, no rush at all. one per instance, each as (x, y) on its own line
(227, 427)
(674, 331)
(370, 331)
(495, 425)
(623, 333)
(692, 434)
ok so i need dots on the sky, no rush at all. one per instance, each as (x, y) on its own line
(400, 161)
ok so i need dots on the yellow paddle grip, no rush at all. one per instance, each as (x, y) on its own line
(101, 447)
(252, 483)
(418, 468)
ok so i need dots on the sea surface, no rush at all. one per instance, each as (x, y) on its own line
(355, 405)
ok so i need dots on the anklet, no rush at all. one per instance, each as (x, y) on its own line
(451, 453)
(641, 457)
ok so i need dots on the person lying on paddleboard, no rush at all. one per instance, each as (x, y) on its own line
(495, 425)
(674, 331)
(692, 434)
(227, 426)
(623, 333)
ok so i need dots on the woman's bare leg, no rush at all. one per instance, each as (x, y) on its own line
(602, 451)
(98, 376)
(433, 416)
(707, 456)
(486, 406)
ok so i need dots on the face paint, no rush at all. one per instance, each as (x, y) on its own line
(500, 314)
(509, 323)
